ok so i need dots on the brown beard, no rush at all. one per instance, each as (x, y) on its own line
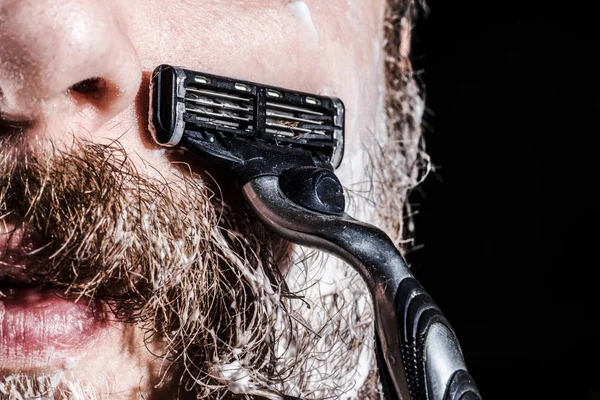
(166, 254)
(400, 162)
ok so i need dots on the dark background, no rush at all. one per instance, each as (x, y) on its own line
(507, 221)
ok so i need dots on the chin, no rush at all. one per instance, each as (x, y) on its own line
(104, 361)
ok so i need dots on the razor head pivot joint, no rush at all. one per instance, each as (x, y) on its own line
(250, 128)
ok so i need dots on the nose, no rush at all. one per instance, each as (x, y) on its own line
(66, 59)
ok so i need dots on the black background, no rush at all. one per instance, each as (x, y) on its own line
(507, 221)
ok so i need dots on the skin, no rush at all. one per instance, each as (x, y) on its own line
(48, 46)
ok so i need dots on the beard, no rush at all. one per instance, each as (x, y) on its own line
(194, 271)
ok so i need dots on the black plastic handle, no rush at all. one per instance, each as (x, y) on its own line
(462, 387)
(433, 362)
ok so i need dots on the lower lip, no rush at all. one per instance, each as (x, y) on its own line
(33, 320)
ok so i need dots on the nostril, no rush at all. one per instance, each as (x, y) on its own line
(97, 91)
(92, 87)
(13, 127)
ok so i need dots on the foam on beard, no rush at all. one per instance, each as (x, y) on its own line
(337, 318)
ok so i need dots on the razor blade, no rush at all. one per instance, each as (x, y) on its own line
(232, 121)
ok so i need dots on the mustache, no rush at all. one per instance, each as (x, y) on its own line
(169, 255)
(88, 210)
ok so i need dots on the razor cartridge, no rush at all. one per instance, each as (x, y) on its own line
(283, 147)
(233, 122)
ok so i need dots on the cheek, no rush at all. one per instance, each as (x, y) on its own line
(305, 22)
(328, 48)
(303, 45)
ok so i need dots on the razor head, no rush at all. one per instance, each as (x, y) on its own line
(233, 122)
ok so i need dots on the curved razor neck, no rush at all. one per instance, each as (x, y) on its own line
(363, 246)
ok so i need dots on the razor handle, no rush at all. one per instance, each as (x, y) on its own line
(283, 146)
(419, 357)
(432, 358)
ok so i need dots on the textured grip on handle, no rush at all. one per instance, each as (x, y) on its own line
(432, 357)
(462, 387)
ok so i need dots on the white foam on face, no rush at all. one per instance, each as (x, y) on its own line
(159, 153)
(237, 377)
(327, 91)
(302, 12)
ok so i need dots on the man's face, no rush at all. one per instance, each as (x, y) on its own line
(126, 269)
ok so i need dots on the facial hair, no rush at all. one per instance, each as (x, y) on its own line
(45, 386)
(167, 255)
(195, 272)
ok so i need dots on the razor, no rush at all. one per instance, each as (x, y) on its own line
(283, 147)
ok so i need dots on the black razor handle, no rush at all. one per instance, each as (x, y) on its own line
(419, 357)
(431, 355)
(283, 146)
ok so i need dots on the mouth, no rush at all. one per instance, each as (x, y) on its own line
(38, 323)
